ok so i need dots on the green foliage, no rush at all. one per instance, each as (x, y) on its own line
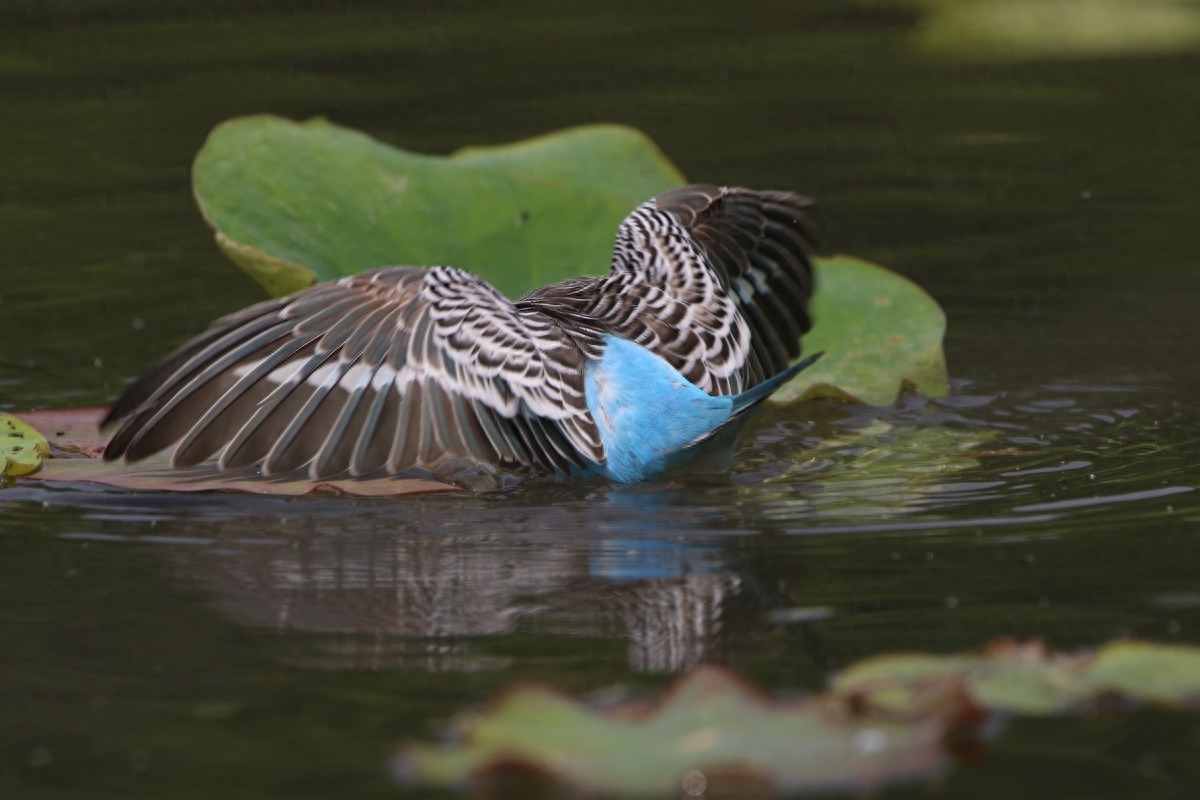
(879, 332)
(710, 728)
(1056, 29)
(889, 718)
(292, 203)
(1028, 679)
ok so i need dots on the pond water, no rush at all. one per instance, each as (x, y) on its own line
(185, 646)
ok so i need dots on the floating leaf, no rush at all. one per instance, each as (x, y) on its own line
(22, 448)
(889, 718)
(292, 203)
(1027, 678)
(879, 332)
(710, 732)
(1160, 674)
(1038, 29)
(77, 442)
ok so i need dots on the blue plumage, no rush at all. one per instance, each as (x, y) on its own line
(651, 418)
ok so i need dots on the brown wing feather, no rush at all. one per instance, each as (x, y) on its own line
(391, 369)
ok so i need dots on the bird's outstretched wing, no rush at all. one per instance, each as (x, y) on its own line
(713, 247)
(390, 369)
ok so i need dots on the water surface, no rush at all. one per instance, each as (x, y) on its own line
(179, 646)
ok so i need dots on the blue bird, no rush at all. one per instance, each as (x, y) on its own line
(623, 376)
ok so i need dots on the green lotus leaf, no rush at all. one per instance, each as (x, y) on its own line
(890, 718)
(710, 732)
(1027, 678)
(1153, 673)
(293, 203)
(1013, 30)
(880, 333)
(22, 448)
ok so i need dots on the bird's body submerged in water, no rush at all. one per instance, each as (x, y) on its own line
(622, 376)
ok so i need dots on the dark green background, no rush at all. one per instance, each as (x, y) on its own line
(189, 647)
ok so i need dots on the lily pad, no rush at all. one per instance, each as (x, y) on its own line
(293, 203)
(22, 448)
(1162, 675)
(880, 332)
(1056, 29)
(76, 443)
(710, 732)
(1027, 678)
(887, 719)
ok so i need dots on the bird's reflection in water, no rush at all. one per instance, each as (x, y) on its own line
(384, 591)
(667, 596)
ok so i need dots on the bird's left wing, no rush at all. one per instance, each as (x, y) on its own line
(390, 369)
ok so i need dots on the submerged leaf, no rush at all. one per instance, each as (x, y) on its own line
(71, 432)
(77, 445)
(881, 469)
(22, 448)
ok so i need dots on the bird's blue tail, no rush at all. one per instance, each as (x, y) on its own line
(752, 397)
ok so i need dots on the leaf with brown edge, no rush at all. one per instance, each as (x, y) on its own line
(888, 719)
(1028, 678)
(711, 731)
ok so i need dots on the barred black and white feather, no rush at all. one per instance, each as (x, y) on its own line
(407, 367)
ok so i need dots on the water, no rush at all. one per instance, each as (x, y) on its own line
(178, 646)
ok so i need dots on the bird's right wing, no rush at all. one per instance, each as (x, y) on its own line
(390, 369)
(709, 246)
